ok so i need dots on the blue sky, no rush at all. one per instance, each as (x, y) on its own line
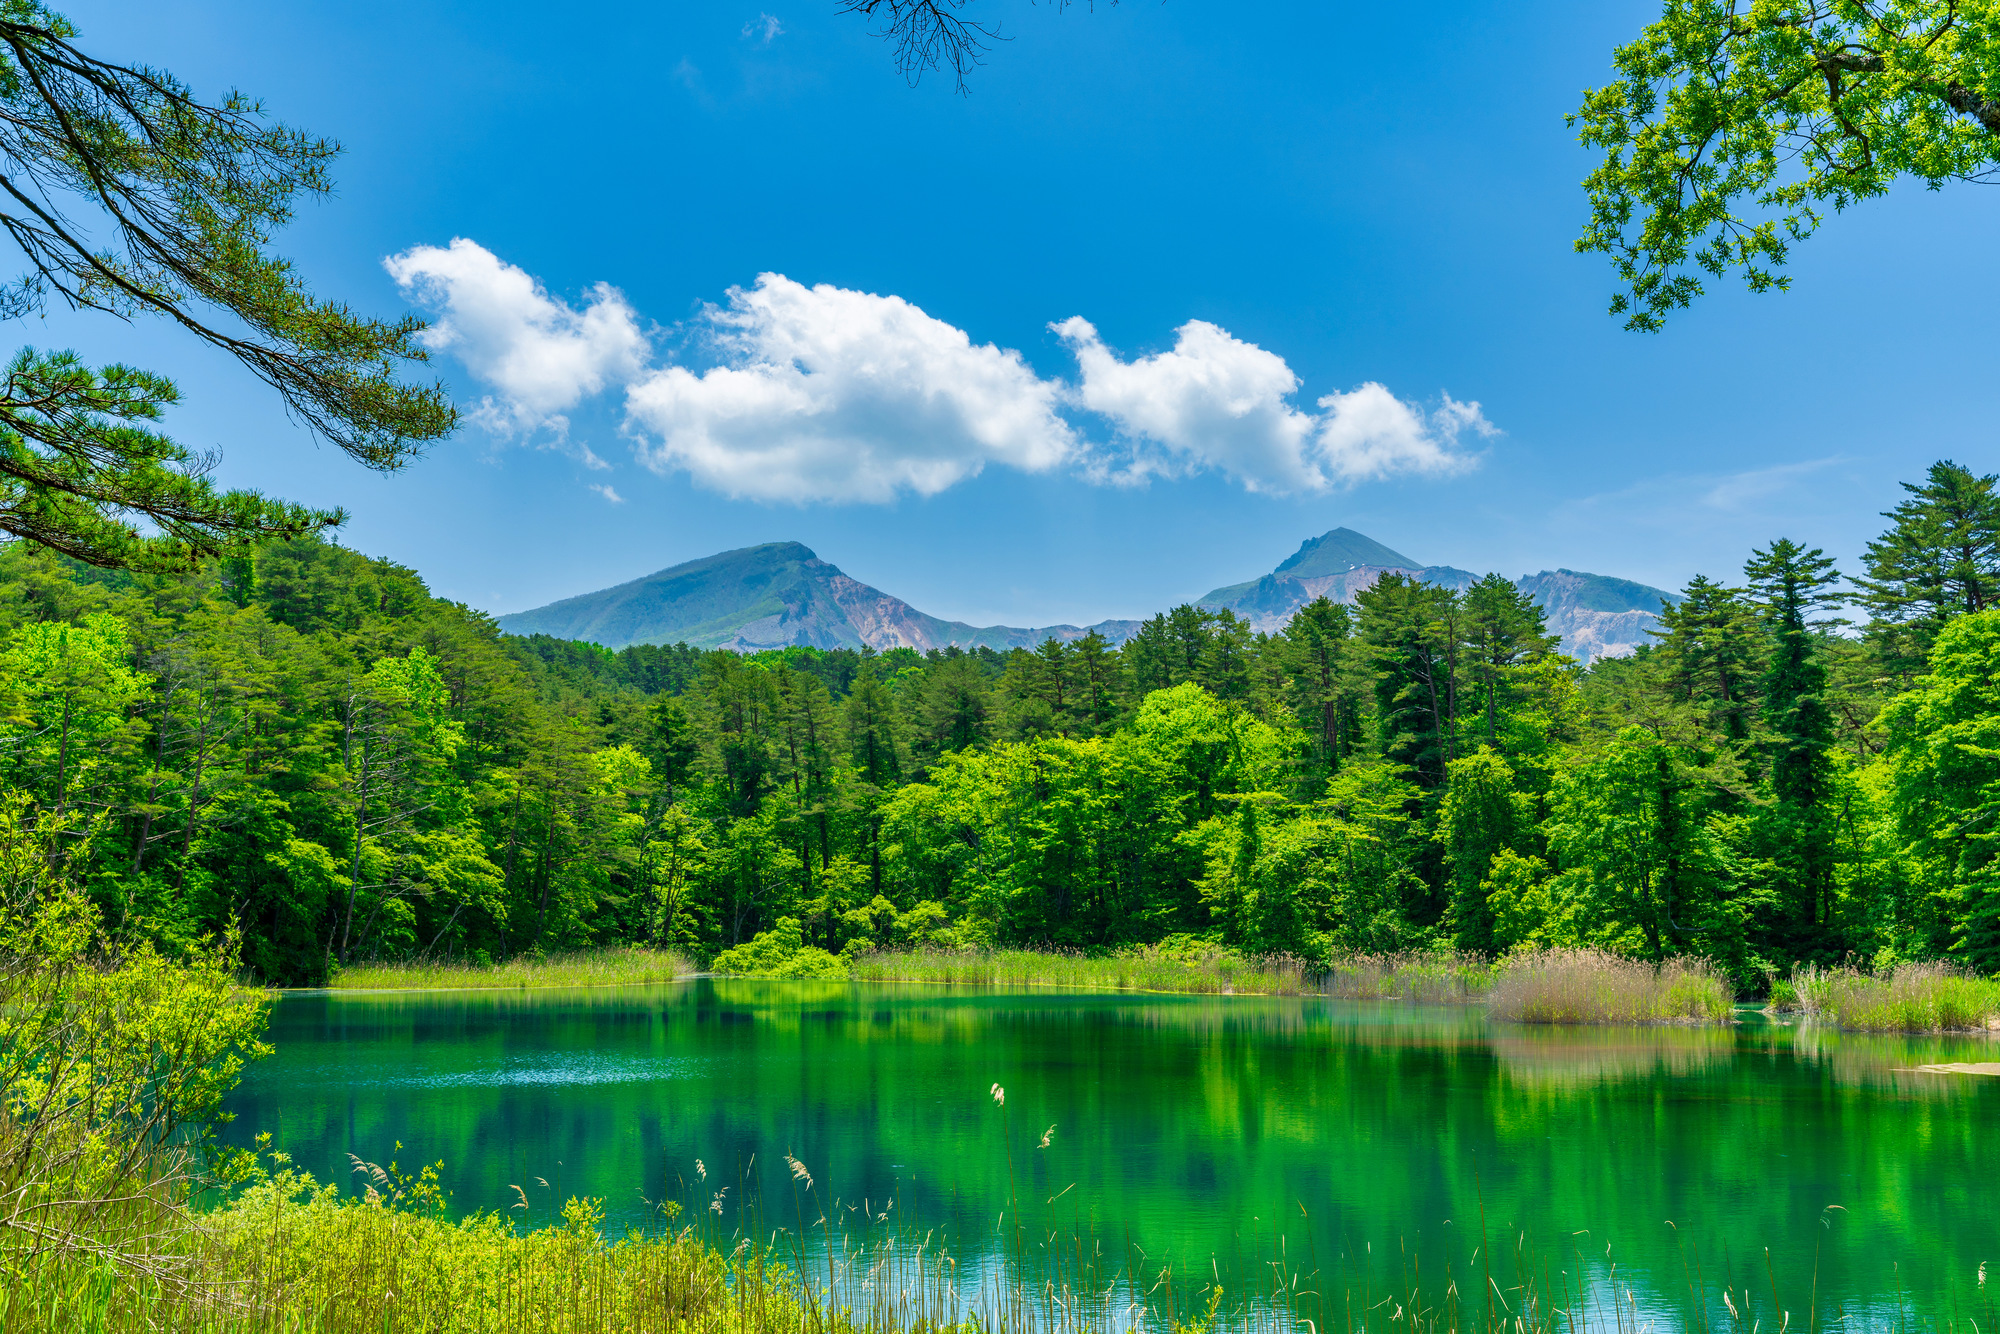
(1378, 204)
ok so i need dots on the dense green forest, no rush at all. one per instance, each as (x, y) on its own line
(310, 747)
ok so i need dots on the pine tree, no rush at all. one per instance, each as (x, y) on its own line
(1099, 685)
(1414, 629)
(1940, 559)
(1792, 584)
(1710, 655)
(1324, 685)
(1504, 631)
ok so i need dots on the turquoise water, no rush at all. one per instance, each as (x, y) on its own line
(1215, 1133)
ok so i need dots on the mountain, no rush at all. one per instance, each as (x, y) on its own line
(770, 596)
(1596, 615)
(781, 594)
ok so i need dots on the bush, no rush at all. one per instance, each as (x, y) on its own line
(113, 1065)
(780, 952)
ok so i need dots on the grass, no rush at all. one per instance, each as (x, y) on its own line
(1202, 970)
(1587, 986)
(1575, 986)
(289, 1257)
(1913, 998)
(584, 968)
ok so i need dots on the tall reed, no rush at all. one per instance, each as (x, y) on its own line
(1930, 997)
(583, 968)
(1439, 978)
(1589, 986)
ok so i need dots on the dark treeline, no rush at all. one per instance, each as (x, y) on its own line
(311, 748)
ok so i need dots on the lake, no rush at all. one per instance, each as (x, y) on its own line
(1221, 1134)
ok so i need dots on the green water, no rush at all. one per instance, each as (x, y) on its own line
(1211, 1131)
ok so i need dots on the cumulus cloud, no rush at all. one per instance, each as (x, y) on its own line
(828, 394)
(541, 355)
(608, 492)
(1215, 401)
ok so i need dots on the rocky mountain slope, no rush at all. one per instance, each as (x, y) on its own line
(780, 594)
(770, 596)
(1596, 615)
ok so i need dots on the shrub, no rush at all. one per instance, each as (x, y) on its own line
(113, 1065)
(780, 952)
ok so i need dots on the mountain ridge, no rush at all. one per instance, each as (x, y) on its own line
(772, 595)
(1593, 615)
(779, 594)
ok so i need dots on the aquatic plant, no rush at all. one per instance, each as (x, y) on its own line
(1927, 997)
(1589, 986)
(622, 966)
(1444, 977)
(1209, 970)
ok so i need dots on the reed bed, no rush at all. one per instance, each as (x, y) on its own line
(1440, 978)
(1426, 977)
(583, 968)
(1928, 997)
(1145, 968)
(1588, 986)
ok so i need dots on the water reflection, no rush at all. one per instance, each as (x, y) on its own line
(1206, 1131)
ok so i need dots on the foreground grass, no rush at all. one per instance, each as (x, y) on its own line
(585, 968)
(1913, 998)
(289, 1257)
(301, 1261)
(1586, 986)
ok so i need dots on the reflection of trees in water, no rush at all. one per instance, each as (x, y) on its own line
(1195, 1127)
(1558, 1058)
(1888, 1061)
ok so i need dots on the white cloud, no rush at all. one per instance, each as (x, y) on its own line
(764, 29)
(1215, 401)
(827, 394)
(608, 492)
(830, 394)
(541, 355)
(1369, 433)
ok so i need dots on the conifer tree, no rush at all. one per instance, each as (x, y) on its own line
(1793, 584)
(127, 195)
(1504, 631)
(1939, 559)
(1324, 685)
(1710, 657)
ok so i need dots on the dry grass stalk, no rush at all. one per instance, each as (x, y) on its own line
(627, 966)
(1438, 978)
(1589, 986)
(1930, 997)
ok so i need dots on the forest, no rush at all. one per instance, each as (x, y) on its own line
(304, 746)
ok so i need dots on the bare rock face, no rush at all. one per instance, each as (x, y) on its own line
(781, 594)
(1595, 615)
(773, 596)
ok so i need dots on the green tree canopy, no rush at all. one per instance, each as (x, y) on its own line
(1734, 126)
